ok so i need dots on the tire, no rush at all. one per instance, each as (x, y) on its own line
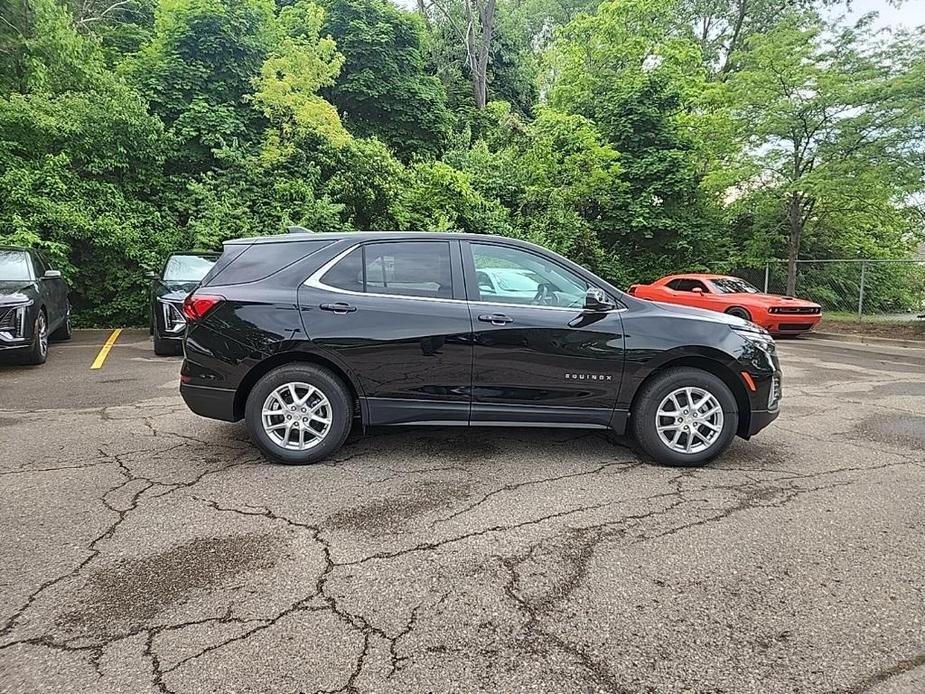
(65, 332)
(166, 348)
(739, 312)
(655, 398)
(317, 386)
(38, 351)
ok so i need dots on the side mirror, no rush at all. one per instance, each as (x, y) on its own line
(151, 276)
(697, 290)
(596, 301)
(52, 274)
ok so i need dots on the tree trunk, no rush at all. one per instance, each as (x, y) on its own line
(487, 21)
(793, 244)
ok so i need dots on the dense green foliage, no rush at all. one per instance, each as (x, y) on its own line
(637, 137)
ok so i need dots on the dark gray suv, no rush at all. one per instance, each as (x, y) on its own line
(33, 305)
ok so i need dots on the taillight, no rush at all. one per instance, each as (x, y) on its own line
(195, 306)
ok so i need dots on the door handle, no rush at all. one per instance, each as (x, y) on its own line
(340, 308)
(495, 318)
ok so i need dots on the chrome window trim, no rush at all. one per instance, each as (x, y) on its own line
(314, 281)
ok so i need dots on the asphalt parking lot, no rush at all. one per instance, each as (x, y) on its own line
(148, 550)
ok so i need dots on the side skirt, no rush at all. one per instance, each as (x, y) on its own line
(398, 411)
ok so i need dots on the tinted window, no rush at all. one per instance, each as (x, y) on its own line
(38, 264)
(260, 260)
(231, 252)
(347, 273)
(401, 268)
(14, 265)
(687, 285)
(409, 268)
(187, 268)
(522, 277)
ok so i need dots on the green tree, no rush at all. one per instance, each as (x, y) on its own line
(644, 88)
(383, 89)
(832, 128)
(80, 159)
(198, 68)
(438, 197)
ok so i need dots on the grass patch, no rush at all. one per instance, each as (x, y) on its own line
(907, 327)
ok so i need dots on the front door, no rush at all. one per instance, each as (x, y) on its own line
(395, 314)
(538, 356)
(55, 291)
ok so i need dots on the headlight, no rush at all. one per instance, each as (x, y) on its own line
(760, 338)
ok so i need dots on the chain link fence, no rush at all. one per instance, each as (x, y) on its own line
(860, 290)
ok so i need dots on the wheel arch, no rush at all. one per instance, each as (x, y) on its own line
(738, 307)
(283, 358)
(718, 369)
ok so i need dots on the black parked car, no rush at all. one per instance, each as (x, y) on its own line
(33, 305)
(300, 334)
(179, 276)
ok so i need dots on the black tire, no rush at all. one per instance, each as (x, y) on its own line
(739, 312)
(644, 420)
(38, 350)
(65, 332)
(166, 348)
(339, 411)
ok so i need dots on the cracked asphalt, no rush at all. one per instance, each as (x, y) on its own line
(148, 550)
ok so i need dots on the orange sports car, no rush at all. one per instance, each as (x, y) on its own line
(780, 315)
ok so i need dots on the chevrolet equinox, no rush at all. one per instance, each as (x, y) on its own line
(301, 334)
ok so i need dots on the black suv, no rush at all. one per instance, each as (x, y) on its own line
(301, 334)
(33, 305)
(179, 276)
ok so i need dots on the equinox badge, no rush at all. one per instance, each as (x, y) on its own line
(588, 377)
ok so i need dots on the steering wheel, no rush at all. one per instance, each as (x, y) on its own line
(544, 295)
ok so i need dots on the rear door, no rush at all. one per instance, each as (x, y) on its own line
(538, 356)
(394, 313)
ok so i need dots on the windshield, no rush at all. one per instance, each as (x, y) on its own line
(187, 268)
(14, 265)
(733, 285)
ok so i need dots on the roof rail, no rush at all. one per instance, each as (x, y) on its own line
(299, 230)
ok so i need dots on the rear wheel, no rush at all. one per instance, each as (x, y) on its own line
(685, 417)
(739, 312)
(298, 414)
(38, 351)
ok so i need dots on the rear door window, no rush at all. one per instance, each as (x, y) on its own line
(398, 268)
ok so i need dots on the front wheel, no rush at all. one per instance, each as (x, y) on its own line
(38, 351)
(166, 348)
(298, 414)
(739, 312)
(685, 417)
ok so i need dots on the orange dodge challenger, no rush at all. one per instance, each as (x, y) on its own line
(780, 315)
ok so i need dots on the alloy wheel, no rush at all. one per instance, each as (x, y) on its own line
(42, 327)
(689, 420)
(296, 416)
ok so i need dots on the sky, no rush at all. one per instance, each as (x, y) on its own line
(909, 14)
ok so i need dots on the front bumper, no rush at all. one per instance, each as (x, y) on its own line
(214, 403)
(760, 419)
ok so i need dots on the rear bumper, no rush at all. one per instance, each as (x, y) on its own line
(214, 403)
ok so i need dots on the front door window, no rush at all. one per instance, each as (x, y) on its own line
(512, 276)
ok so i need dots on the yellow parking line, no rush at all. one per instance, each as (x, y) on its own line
(104, 350)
